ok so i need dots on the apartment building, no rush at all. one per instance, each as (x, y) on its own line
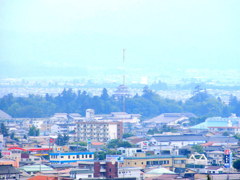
(99, 131)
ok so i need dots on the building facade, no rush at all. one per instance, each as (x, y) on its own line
(99, 131)
(71, 157)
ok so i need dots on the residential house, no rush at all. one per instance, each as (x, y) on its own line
(215, 157)
(9, 172)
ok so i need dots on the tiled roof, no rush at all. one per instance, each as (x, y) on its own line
(8, 169)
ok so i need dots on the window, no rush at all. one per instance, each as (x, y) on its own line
(77, 156)
(90, 156)
(62, 156)
(69, 157)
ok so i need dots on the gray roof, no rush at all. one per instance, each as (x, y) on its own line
(222, 139)
(4, 115)
(169, 117)
(8, 169)
(81, 171)
(186, 137)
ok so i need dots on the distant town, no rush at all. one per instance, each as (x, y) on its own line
(57, 134)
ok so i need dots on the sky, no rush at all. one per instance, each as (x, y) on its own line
(85, 37)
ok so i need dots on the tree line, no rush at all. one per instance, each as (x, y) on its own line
(149, 104)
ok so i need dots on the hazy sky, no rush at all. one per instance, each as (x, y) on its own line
(74, 37)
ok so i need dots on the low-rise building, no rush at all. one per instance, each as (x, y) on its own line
(216, 157)
(129, 152)
(70, 157)
(147, 161)
(130, 172)
(9, 172)
(178, 140)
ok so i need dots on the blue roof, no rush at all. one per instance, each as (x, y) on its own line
(216, 122)
(156, 157)
(71, 153)
(68, 161)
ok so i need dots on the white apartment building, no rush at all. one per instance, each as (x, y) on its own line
(99, 131)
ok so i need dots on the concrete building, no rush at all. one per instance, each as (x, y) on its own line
(216, 157)
(99, 131)
(71, 157)
(148, 161)
(129, 152)
(178, 140)
(101, 169)
(130, 172)
(9, 172)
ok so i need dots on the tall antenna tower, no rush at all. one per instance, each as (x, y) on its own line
(122, 92)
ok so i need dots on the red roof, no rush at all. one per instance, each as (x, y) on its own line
(36, 149)
(43, 178)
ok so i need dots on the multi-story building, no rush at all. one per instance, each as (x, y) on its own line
(148, 161)
(100, 169)
(99, 131)
(71, 157)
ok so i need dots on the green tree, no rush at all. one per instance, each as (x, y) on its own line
(236, 164)
(33, 131)
(12, 135)
(104, 95)
(225, 134)
(116, 143)
(62, 140)
(4, 130)
(126, 135)
(197, 148)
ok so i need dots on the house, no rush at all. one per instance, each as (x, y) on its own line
(44, 178)
(156, 173)
(9, 172)
(129, 152)
(130, 172)
(95, 146)
(197, 159)
(81, 173)
(33, 169)
(215, 157)
(14, 163)
(214, 170)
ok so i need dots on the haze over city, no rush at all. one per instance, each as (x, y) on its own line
(75, 38)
